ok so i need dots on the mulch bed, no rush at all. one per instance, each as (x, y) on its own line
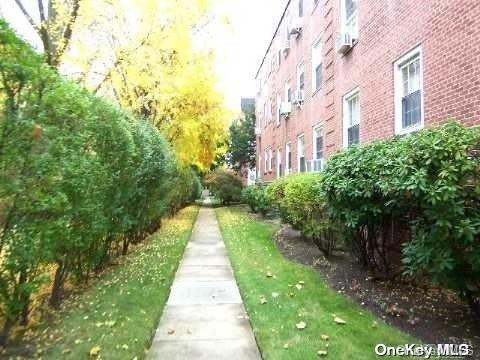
(433, 314)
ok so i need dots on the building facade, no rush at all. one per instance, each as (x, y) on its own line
(344, 72)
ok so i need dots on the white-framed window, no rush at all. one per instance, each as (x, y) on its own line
(270, 157)
(349, 10)
(317, 67)
(301, 77)
(351, 118)
(279, 109)
(288, 92)
(408, 77)
(265, 168)
(288, 158)
(265, 116)
(318, 148)
(301, 163)
(279, 162)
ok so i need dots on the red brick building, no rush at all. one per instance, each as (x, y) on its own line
(340, 72)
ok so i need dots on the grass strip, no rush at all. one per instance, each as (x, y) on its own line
(294, 314)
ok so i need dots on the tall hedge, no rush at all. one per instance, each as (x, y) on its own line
(79, 180)
(419, 194)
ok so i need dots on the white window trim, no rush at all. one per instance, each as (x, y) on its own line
(302, 136)
(270, 157)
(288, 149)
(300, 71)
(279, 105)
(316, 129)
(346, 97)
(343, 20)
(399, 130)
(279, 161)
(317, 41)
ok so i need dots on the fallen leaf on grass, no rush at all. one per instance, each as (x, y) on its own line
(94, 351)
(339, 321)
(322, 353)
(301, 325)
(324, 337)
(263, 300)
(285, 346)
(275, 294)
(299, 286)
(269, 274)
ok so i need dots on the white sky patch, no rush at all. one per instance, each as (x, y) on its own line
(238, 35)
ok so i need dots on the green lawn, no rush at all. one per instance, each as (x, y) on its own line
(279, 295)
(118, 314)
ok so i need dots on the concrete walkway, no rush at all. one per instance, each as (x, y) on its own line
(204, 317)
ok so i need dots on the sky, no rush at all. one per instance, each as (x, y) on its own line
(239, 46)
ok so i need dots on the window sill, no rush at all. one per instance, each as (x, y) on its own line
(408, 130)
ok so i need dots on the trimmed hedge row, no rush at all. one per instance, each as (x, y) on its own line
(405, 205)
(80, 180)
(300, 202)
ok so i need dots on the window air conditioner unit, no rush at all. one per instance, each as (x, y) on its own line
(344, 42)
(297, 27)
(299, 97)
(286, 108)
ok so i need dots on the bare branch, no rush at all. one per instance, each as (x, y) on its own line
(27, 15)
(41, 11)
(67, 33)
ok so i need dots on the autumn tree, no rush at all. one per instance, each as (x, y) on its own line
(55, 29)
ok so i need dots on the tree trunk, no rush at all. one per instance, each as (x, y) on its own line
(57, 289)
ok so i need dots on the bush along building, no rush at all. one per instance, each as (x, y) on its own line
(343, 72)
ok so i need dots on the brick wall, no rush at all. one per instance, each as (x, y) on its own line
(448, 33)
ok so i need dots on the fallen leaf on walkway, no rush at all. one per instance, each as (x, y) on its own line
(94, 351)
(171, 332)
(301, 325)
(339, 321)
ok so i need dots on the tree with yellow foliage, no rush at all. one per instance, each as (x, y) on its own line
(143, 55)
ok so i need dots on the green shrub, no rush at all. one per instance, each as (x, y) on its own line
(80, 180)
(225, 185)
(301, 200)
(256, 197)
(422, 192)
(276, 196)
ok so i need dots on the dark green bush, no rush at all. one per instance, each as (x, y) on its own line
(255, 197)
(225, 185)
(301, 200)
(79, 181)
(421, 193)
